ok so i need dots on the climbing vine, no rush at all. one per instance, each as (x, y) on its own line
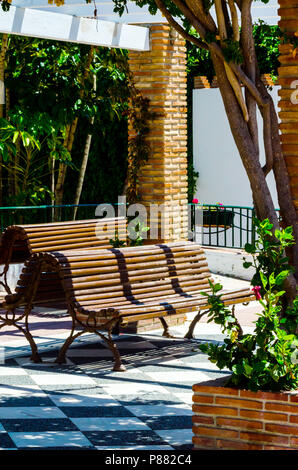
(139, 117)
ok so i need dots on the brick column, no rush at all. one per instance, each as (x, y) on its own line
(161, 75)
(288, 75)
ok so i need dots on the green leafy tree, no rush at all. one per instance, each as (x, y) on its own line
(228, 36)
(57, 79)
(25, 140)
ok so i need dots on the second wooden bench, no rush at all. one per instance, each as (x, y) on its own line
(18, 242)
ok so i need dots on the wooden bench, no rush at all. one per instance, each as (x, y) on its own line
(106, 288)
(18, 242)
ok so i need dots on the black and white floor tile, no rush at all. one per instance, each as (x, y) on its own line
(84, 405)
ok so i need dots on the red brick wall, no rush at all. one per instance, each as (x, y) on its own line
(226, 418)
(288, 72)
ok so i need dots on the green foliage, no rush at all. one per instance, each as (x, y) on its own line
(116, 242)
(266, 359)
(136, 234)
(198, 63)
(25, 139)
(267, 40)
(232, 51)
(268, 253)
(192, 181)
(43, 78)
(139, 149)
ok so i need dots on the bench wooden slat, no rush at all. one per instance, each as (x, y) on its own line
(175, 301)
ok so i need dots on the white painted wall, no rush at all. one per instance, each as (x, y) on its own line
(222, 176)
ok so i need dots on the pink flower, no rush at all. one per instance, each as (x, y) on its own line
(256, 291)
(195, 201)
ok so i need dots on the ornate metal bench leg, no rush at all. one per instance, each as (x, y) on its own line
(166, 332)
(61, 358)
(189, 334)
(35, 357)
(11, 320)
(118, 366)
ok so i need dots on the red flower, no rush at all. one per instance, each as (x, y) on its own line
(256, 290)
(195, 201)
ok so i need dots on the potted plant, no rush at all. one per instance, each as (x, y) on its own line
(256, 408)
(216, 215)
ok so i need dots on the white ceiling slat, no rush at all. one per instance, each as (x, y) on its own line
(135, 14)
(105, 10)
(61, 27)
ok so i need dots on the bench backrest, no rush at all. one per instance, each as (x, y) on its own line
(89, 280)
(18, 242)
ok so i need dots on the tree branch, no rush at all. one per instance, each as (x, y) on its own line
(220, 20)
(198, 10)
(237, 90)
(191, 17)
(244, 79)
(235, 22)
(179, 28)
(226, 15)
(247, 40)
(267, 135)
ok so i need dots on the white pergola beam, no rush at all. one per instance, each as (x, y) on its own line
(61, 27)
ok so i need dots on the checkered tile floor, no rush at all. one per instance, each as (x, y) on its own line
(83, 405)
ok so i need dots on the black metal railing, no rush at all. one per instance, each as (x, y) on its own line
(223, 226)
(212, 224)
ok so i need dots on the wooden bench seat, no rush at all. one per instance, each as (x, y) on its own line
(18, 242)
(104, 289)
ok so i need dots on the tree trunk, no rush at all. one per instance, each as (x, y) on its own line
(84, 162)
(82, 172)
(242, 119)
(250, 159)
(68, 143)
(245, 145)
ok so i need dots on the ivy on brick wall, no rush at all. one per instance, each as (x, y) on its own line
(139, 116)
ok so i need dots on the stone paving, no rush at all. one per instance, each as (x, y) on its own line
(84, 405)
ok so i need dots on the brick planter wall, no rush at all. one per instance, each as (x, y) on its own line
(232, 419)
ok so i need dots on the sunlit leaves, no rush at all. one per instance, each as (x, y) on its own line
(267, 358)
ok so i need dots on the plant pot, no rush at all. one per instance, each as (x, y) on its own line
(221, 217)
(234, 419)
